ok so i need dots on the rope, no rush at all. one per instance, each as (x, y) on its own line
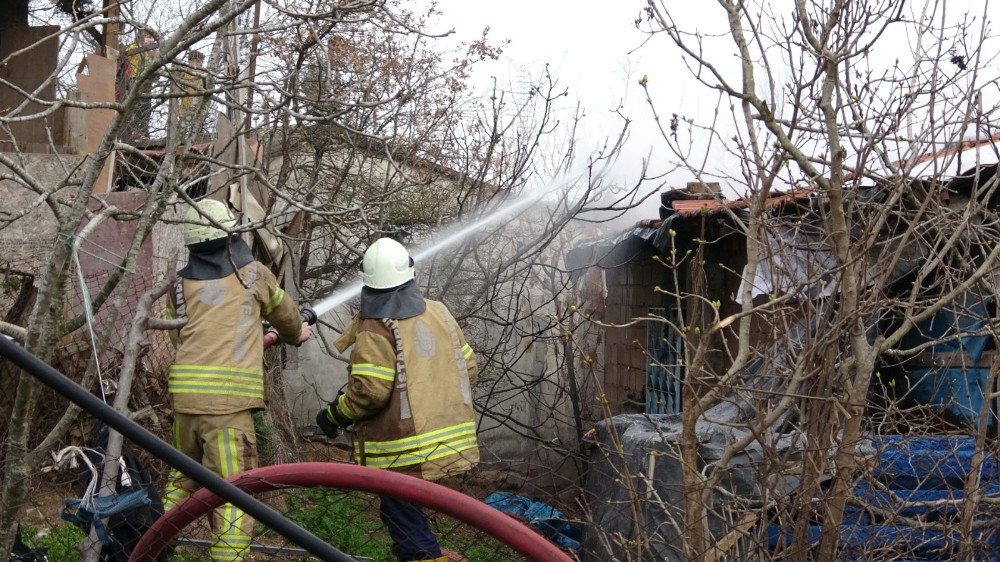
(76, 242)
(72, 452)
(92, 509)
(88, 312)
(99, 257)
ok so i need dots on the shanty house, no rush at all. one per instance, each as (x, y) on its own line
(682, 277)
(680, 273)
(658, 270)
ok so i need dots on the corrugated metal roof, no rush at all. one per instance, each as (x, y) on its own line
(956, 159)
(619, 249)
(689, 207)
(616, 250)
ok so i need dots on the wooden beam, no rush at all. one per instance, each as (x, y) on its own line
(951, 360)
(112, 9)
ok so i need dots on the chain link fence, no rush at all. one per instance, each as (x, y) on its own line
(615, 490)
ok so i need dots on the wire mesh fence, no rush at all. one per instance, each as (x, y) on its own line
(914, 497)
(61, 518)
(622, 491)
(347, 520)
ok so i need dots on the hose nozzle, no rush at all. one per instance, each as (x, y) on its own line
(308, 316)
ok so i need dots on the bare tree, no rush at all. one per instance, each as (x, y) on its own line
(327, 125)
(66, 200)
(864, 215)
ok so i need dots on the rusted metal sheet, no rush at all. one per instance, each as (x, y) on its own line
(100, 256)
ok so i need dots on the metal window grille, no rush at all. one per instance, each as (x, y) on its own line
(664, 364)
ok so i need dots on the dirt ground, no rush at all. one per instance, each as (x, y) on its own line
(50, 488)
(46, 495)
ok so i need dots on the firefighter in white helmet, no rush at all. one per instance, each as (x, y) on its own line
(409, 391)
(217, 378)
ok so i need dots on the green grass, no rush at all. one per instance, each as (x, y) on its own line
(347, 520)
(475, 545)
(189, 555)
(342, 520)
(60, 541)
(350, 522)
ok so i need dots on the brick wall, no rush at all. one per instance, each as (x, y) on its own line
(630, 295)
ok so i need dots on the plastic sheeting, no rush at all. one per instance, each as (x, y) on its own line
(551, 522)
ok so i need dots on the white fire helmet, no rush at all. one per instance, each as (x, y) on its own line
(198, 228)
(386, 264)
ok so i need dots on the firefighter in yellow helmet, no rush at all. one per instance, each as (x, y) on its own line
(409, 391)
(217, 378)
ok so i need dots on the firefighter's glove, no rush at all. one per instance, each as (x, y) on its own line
(324, 420)
(330, 420)
(335, 414)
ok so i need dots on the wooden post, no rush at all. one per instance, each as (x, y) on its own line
(112, 30)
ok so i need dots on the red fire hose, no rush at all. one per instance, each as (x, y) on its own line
(352, 477)
(271, 336)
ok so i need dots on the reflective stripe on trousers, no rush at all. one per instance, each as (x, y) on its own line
(224, 444)
(231, 543)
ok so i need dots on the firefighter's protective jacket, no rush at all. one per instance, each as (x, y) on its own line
(410, 394)
(219, 364)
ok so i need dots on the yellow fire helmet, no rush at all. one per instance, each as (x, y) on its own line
(200, 221)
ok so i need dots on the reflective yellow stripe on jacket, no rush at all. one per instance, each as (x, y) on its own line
(419, 448)
(374, 371)
(276, 299)
(378, 372)
(216, 380)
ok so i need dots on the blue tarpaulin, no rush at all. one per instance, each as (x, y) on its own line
(909, 504)
(551, 522)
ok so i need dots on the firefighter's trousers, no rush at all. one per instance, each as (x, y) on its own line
(412, 537)
(225, 444)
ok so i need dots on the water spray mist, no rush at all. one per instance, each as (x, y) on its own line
(345, 294)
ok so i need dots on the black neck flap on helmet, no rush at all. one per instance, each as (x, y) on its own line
(398, 303)
(216, 259)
